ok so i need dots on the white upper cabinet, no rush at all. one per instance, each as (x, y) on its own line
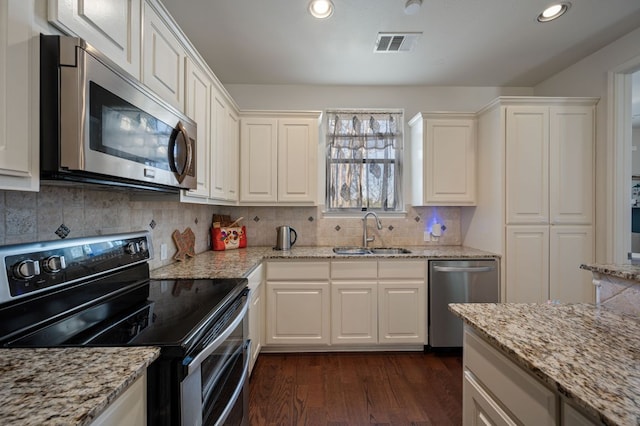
(19, 125)
(571, 164)
(224, 150)
(297, 159)
(527, 164)
(550, 164)
(259, 153)
(232, 163)
(163, 59)
(279, 158)
(111, 26)
(198, 108)
(443, 153)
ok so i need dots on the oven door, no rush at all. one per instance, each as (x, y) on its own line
(215, 390)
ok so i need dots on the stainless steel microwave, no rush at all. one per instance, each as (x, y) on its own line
(100, 125)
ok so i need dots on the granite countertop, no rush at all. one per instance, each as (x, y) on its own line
(586, 353)
(239, 263)
(66, 386)
(625, 271)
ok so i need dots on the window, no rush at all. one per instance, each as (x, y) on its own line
(364, 160)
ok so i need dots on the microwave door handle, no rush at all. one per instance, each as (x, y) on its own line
(180, 129)
(211, 347)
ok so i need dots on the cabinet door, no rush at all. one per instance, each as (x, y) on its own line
(527, 401)
(198, 108)
(218, 151)
(232, 153)
(129, 409)
(571, 160)
(256, 315)
(19, 98)
(527, 264)
(354, 312)
(163, 60)
(401, 312)
(111, 26)
(298, 313)
(258, 159)
(478, 406)
(527, 167)
(571, 246)
(450, 162)
(572, 417)
(297, 160)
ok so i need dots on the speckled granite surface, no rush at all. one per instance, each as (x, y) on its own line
(238, 263)
(625, 271)
(589, 354)
(65, 386)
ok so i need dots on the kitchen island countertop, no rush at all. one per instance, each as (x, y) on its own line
(239, 263)
(588, 354)
(66, 386)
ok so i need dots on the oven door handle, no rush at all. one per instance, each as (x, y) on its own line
(195, 362)
(238, 390)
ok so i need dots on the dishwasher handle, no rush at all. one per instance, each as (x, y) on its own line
(464, 268)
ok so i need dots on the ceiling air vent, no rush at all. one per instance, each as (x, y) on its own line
(396, 42)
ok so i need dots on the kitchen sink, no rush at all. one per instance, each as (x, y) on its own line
(389, 250)
(351, 250)
(371, 250)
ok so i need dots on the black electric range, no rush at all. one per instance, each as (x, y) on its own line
(96, 291)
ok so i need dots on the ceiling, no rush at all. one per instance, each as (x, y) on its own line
(463, 42)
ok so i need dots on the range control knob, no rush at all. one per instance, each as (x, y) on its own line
(143, 245)
(132, 248)
(26, 269)
(54, 264)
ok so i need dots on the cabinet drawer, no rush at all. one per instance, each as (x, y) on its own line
(355, 269)
(298, 270)
(405, 269)
(527, 399)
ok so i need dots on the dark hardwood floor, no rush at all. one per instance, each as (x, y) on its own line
(390, 388)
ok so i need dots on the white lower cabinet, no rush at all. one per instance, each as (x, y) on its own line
(525, 400)
(256, 314)
(346, 302)
(572, 417)
(479, 408)
(129, 409)
(354, 316)
(496, 391)
(401, 310)
(298, 303)
(298, 313)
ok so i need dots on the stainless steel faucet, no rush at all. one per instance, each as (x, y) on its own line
(366, 239)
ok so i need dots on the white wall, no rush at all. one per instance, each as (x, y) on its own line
(589, 77)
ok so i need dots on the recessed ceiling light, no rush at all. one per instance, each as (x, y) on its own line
(321, 9)
(554, 11)
(412, 7)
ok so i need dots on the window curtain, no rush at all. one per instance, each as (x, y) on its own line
(363, 164)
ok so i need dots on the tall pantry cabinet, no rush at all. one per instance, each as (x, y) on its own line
(536, 179)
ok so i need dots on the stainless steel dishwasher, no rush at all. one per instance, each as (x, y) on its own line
(457, 281)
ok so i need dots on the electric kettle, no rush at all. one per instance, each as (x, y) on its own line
(283, 237)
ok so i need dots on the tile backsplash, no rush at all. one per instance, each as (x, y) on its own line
(29, 216)
(314, 228)
(85, 211)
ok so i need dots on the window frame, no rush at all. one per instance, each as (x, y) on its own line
(397, 162)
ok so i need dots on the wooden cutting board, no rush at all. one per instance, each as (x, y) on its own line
(185, 242)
